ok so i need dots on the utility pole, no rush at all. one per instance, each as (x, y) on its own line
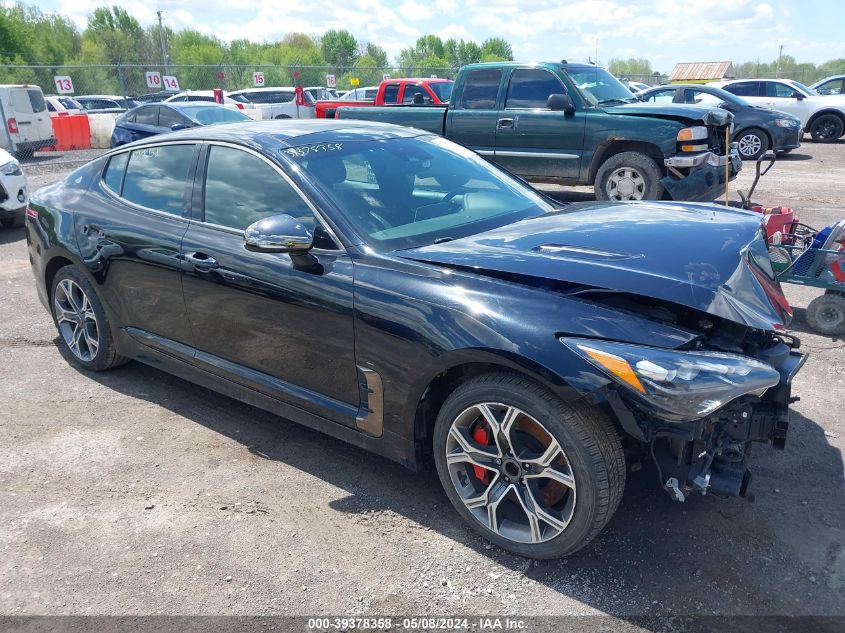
(161, 42)
(780, 54)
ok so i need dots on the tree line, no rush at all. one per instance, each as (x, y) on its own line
(113, 37)
(788, 66)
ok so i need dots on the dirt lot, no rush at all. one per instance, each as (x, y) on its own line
(133, 492)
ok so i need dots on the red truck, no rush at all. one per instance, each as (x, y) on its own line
(406, 91)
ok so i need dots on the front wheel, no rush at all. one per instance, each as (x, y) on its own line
(753, 143)
(530, 473)
(629, 176)
(827, 128)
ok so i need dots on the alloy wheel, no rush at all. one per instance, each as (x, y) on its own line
(749, 145)
(510, 473)
(76, 320)
(626, 183)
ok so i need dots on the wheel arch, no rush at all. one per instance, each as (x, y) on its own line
(837, 113)
(431, 392)
(610, 149)
(765, 132)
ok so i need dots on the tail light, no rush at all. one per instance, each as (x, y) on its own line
(240, 106)
(12, 126)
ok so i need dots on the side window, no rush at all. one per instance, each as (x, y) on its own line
(156, 177)
(168, 116)
(241, 188)
(391, 93)
(114, 172)
(281, 97)
(531, 87)
(148, 115)
(701, 98)
(661, 96)
(832, 87)
(777, 89)
(412, 91)
(481, 89)
(745, 88)
(50, 107)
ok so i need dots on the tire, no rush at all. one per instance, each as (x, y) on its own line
(629, 176)
(66, 300)
(827, 128)
(753, 143)
(826, 314)
(16, 221)
(587, 456)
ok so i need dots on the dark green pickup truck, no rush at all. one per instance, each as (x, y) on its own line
(576, 124)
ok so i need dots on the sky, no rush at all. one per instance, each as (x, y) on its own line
(662, 31)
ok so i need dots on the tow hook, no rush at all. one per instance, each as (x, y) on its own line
(674, 490)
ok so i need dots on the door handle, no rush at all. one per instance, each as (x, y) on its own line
(504, 124)
(201, 262)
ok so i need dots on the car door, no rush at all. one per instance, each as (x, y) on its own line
(142, 123)
(779, 95)
(129, 232)
(532, 140)
(256, 317)
(471, 120)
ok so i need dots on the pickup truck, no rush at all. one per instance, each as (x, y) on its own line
(406, 91)
(576, 124)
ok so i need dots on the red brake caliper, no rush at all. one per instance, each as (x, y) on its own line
(483, 436)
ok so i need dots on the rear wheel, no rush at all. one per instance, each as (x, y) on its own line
(628, 176)
(827, 128)
(530, 473)
(81, 321)
(753, 143)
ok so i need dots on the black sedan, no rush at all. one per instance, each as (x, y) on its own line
(152, 119)
(394, 289)
(756, 129)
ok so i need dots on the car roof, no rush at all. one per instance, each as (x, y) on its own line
(265, 89)
(283, 133)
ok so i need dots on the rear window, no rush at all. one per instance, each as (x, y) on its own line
(156, 176)
(28, 100)
(481, 89)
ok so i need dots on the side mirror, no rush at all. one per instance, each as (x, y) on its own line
(797, 95)
(418, 99)
(561, 103)
(278, 234)
(178, 126)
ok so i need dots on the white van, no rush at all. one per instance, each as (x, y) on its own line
(25, 120)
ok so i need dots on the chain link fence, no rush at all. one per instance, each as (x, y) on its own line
(132, 80)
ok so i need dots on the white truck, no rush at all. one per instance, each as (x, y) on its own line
(277, 103)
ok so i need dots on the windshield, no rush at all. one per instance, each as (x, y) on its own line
(409, 192)
(443, 90)
(599, 87)
(205, 115)
(806, 89)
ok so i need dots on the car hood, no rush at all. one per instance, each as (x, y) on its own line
(674, 111)
(702, 256)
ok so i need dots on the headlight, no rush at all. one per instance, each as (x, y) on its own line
(12, 168)
(692, 133)
(787, 122)
(681, 386)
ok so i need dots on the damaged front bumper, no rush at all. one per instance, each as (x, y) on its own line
(699, 176)
(712, 455)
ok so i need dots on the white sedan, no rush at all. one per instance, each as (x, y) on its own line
(13, 194)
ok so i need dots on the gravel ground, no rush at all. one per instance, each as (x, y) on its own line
(134, 492)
